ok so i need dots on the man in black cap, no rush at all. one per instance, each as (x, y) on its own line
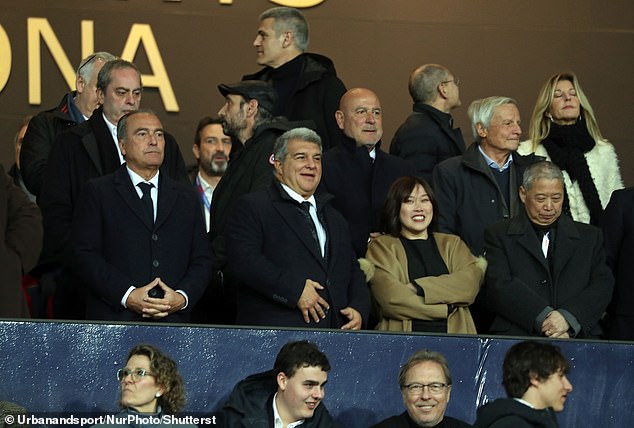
(246, 117)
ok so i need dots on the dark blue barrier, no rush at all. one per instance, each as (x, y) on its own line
(70, 367)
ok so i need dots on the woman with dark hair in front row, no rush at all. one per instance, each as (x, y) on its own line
(150, 388)
(424, 281)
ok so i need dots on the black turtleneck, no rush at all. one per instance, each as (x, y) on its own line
(284, 80)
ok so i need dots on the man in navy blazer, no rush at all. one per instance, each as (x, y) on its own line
(290, 250)
(139, 238)
(547, 274)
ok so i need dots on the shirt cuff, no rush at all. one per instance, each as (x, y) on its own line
(182, 293)
(125, 296)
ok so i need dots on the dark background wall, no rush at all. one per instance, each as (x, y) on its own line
(496, 47)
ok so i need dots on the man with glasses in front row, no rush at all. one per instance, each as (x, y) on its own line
(425, 382)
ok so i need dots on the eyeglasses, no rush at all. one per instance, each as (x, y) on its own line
(136, 374)
(86, 62)
(418, 388)
(455, 80)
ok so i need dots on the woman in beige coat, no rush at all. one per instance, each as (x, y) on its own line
(423, 281)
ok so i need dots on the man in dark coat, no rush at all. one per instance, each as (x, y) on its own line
(547, 274)
(535, 381)
(142, 254)
(75, 107)
(292, 392)
(246, 117)
(86, 151)
(425, 382)
(428, 137)
(20, 244)
(306, 83)
(618, 229)
(357, 172)
(290, 250)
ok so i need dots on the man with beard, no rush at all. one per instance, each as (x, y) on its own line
(211, 149)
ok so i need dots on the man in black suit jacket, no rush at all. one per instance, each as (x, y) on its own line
(427, 137)
(618, 228)
(141, 253)
(547, 275)
(357, 172)
(290, 250)
(87, 151)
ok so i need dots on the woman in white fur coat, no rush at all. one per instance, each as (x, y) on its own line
(564, 130)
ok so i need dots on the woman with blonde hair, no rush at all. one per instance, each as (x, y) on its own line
(563, 129)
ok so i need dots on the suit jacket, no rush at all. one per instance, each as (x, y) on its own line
(20, 244)
(426, 139)
(404, 421)
(519, 283)
(360, 186)
(618, 229)
(115, 246)
(84, 152)
(272, 252)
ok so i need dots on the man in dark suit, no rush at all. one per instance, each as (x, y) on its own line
(290, 250)
(547, 274)
(357, 172)
(138, 240)
(427, 137)
(86, 151)
(618, 228)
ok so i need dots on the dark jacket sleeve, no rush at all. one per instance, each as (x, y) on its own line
(36, 147)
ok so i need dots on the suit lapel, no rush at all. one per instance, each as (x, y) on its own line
(125, 189)
(167, 197)
(90, 144)
(527, 239)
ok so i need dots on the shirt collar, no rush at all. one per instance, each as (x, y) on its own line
(493, 164)
(136, 178)
(277, 420)
(206, 186)
(524, 402)
(297, 197)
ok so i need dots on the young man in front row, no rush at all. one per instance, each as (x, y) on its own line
(536, 383)
(285, 397)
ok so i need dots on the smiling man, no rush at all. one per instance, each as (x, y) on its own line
(535, 381)
(290, 395)
(290, 250)
(357, 172)
(425, 383)
(547, 274)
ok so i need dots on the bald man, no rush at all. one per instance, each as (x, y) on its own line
(357, 172)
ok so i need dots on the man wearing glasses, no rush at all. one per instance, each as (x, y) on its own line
(427, 137)
(425, 382)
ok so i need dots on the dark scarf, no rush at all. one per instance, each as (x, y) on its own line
(566, 146)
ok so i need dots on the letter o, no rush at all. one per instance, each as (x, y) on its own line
(5, 58)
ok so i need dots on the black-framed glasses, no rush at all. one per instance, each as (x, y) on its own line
(86, 62)
(418, 388)
(136, 374)
(455, 80)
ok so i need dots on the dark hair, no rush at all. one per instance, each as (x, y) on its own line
(166, 374)
(202, 123)
(295, 355)
(105, 74)
(530, 360)
(422, 356)
(122, 125)
(398, 193)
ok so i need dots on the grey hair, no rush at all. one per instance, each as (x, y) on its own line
(541, 170)
(280, 149)
(87, 64)
(424, 81)
(289, 19)
(122, 126)
(262, 115)
(481, 111)
(422, 356)
(105, 74)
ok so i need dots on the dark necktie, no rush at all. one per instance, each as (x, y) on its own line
(146, 199)
(313, 229)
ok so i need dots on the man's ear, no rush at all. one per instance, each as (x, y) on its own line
(122, 147)
(252, 107)
(523, 194)
(534, 381)
(100, 96)
(442, 90)
(196, 151)
(288, 38)
(281, 378)
(339, 119)
(482, 131)
(80, 83)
